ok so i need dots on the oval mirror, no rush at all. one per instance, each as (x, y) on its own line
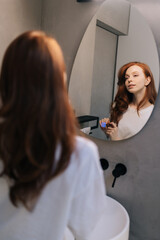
(117, 34)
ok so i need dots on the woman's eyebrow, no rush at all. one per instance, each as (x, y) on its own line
(127, 75)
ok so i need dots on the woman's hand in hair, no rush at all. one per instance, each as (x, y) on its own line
(112, 131)
(109, 128)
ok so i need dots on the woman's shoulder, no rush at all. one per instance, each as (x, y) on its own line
(82, 140)
(148, 108)
(85, 152)
(83, 144)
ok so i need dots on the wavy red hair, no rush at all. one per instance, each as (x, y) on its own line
(35, 115)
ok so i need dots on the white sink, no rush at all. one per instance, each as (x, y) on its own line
(113, 225)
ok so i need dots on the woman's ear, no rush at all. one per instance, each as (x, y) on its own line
(148, 80)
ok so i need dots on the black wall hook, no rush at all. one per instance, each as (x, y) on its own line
(104, 163)
(120, 169)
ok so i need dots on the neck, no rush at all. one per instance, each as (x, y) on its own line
(137, 98)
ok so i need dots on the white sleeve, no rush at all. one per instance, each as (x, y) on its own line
(89, 201)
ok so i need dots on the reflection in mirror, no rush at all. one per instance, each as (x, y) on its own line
(116, 35)
(133, 103)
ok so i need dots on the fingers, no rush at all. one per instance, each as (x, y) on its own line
(112, 131)
(112, 125)
(103, 124)
(105, 120)
(111, 128)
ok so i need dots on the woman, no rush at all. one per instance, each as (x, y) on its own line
(133, 102)
(50, 178)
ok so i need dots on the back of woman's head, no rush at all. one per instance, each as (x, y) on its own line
(35, 115)
(123, 98)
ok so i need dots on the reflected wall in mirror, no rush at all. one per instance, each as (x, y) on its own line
(116, 35)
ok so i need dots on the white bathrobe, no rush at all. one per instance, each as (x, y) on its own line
(75, 199)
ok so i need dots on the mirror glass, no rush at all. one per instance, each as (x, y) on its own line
(117, 34)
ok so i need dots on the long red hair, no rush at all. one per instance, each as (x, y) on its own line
(123, 98)
(35, 114)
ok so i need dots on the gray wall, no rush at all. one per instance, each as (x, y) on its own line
(67, 20)
(17, 16)
(139, 190)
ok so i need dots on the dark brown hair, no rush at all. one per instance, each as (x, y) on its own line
(123, 98)
(35, 115)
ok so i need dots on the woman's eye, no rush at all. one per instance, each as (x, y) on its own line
(136, 75)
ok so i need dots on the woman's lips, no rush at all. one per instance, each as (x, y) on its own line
(131, 85)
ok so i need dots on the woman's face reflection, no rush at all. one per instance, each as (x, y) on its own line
(136, 81)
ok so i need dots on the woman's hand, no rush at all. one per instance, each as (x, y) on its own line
(111, 128)
(104, 120)
(112, 131)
